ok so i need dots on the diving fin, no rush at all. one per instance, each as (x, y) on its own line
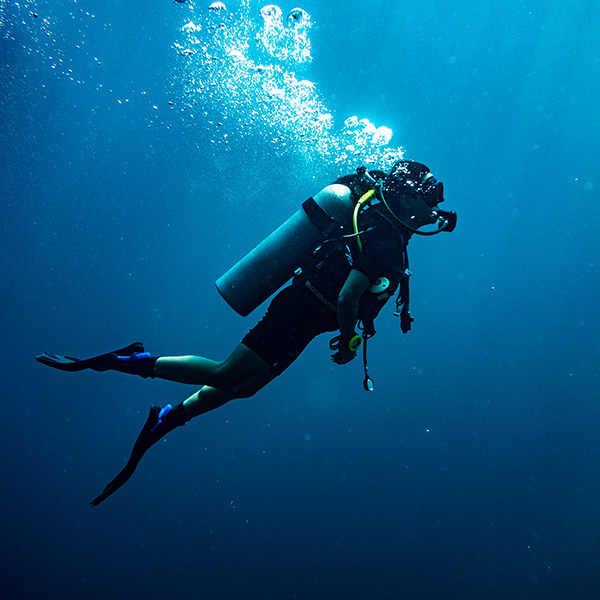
(159, 423)
(148, 436)
(103, 362)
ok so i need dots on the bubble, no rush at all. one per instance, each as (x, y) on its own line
(382, 136)
(298, 17)
(190, 27)
(304, 88)
(350, 123)
(369, 129)
(271, 12)
(217, 7)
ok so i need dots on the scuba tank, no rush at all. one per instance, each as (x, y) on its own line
(273, 262)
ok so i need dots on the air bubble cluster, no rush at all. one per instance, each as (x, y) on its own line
(287, 42)
(245, 71)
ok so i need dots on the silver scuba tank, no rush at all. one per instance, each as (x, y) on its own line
(273, 262)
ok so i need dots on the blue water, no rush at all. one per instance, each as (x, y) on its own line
(472, 470)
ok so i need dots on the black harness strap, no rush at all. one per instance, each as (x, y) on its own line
(319, 218)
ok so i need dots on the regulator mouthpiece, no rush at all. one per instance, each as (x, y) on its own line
(449, 217)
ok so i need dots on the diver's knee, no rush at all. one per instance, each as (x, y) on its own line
(224, 377)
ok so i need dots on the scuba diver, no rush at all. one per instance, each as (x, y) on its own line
(346, 250)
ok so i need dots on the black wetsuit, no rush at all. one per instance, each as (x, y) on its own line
(307, 308)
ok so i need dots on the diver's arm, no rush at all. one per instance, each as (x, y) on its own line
(347, 312)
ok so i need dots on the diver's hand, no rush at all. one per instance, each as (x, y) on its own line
(343, 356)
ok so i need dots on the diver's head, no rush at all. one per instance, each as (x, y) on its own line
(410, 178)
(411, 194)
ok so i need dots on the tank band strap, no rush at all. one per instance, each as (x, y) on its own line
(319, 218)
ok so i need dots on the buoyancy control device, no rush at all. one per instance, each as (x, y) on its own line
(408, 197)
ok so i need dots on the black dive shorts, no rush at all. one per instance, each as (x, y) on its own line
(294, 317)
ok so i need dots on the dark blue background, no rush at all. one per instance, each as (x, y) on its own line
(471, 471)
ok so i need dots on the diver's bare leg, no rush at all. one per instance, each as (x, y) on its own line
(209, 398)
(242, 365)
